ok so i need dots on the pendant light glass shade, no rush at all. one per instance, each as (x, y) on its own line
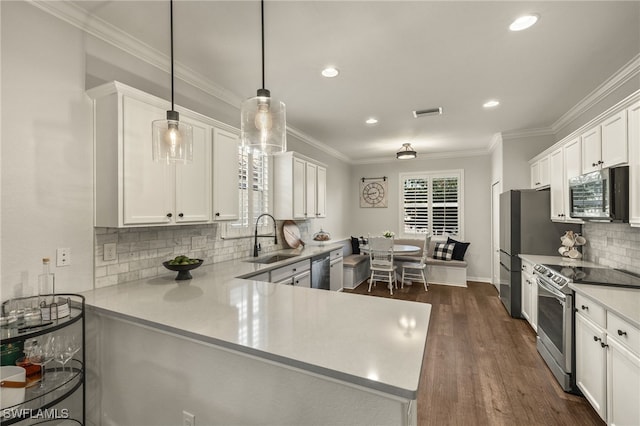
(406, 152)
(172, 141)
(263, 121)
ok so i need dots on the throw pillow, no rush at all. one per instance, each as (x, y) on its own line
(355, 245)
(443, 251)
(459, 248)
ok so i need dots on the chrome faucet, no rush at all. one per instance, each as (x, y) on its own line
(275, 233)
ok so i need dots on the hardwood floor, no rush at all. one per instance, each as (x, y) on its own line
(481, 366)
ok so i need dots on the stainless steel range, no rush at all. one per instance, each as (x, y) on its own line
(555, 324)
(556, 335)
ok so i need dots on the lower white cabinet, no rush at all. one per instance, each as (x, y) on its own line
(529, 298)
(591, 363)
(623, 373)
(336, 270)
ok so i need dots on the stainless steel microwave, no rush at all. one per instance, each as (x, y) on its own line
(602, 195)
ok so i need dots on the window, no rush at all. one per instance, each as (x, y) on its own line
(431, 203)
(253, 184)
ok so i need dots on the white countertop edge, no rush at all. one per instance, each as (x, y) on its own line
(558, 260)
(408, 394)
(590, 291)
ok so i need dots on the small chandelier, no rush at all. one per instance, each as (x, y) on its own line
(406, 152)
(263, 118)
(172, 140)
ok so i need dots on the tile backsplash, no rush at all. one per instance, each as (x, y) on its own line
(613, 244)
(141, 251)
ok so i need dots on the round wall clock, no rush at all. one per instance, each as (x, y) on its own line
(373, 194)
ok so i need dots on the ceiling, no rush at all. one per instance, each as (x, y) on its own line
(395, 57)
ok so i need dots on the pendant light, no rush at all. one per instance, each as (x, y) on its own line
(263, 121)
(406, 152)
(172, 140)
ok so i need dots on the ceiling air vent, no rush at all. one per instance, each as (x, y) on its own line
(427, 112)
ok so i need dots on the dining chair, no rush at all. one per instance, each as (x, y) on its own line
(381, 262)
(417, 271)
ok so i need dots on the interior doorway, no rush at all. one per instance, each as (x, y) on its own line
(496, 189)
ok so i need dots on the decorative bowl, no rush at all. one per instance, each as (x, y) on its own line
(183, 270)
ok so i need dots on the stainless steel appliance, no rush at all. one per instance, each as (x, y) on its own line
(321, 271)
(556, 332)
(525, 227)
(602, 195)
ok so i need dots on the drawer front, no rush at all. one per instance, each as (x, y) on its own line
(336, 254)
(591, 310)
(289, 270)
(622, 331)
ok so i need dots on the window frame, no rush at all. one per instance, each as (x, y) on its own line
(430, 175)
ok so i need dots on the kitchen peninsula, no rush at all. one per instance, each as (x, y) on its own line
(237, 351)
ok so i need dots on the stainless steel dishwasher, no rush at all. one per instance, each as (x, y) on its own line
(320, 271)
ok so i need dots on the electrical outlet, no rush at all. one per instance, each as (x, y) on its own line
(188, 419)
(109, 251)
(63, 257)
(198, 242)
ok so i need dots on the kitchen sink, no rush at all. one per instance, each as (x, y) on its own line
(273, 258)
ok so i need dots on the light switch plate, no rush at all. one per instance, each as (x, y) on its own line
(109, 251)
(63, 257)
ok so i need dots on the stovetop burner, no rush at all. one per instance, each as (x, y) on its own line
(596, 276)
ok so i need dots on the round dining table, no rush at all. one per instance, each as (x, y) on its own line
(397, 249)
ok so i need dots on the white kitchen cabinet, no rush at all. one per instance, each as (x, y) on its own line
(605, 145)
(540, 173)
(336, 270)
(623, 383)
(591, 363)
(556, 184)
(131, 189)
(225, 168)
(633, 132)
(529, 295)
(302, 280)
(299, 187)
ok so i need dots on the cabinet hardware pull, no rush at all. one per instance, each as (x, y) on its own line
(169, 215)
(294, 269)
(584, 308)
(596, 338)
(217, 214)
(622, 333)
(593, 164)
(181, 215)
(604, 345)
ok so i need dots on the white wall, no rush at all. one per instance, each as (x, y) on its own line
(477, 203)
(47, 196)
(516, 153)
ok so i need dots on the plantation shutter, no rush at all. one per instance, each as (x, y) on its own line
(253, 184)
(444, 210)
(416, 205)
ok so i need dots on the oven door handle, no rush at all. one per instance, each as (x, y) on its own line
(562, 298)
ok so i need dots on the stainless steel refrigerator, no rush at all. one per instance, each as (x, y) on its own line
(525, 227)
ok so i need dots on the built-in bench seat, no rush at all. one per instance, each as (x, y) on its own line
(448, 272)
(355, 268)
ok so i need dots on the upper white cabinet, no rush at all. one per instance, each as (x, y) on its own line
(633, 132)
(299, 187)
(225, 167)
(133, 190)
(556, 184)
(540, 173)
(605, 145)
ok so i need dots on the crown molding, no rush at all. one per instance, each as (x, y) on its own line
(427, 156)
(113, 35)
(630, 70)
(527, 133)
(317, 144)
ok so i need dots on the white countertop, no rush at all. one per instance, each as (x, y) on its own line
(369, 341)
(624, 302)
(558, 260)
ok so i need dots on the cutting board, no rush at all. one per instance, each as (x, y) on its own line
(292, 234)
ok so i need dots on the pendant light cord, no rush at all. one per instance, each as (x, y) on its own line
(262, 26)
(171, 32)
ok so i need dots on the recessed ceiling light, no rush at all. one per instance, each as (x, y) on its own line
(524, 22)
(491, 104)
(330, 72)
(371, 120)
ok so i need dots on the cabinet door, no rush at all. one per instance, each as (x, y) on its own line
(556, 185)
(303, 280)
(544, 171)
(193, 180)
(591, 364)
(321, 196)
(299, 189)
(633, 117)
(572, 168)
(591, 150)
(623, 383)
(148, 186)
(225, 176)
(335, 275)
(535, 174)
(614, 140)
(311, 192)
(525, 296)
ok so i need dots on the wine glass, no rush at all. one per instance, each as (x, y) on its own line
(42, 355)
(65, 348)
